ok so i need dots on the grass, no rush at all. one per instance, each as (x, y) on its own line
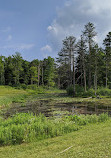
(7, 90)
(92, 141)
(26, 127)
(9, 95)
(58, 98)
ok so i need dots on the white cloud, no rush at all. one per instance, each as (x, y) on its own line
(46, 48)
(9, 38)
(50, 28)
(75, 14)
(18, 47)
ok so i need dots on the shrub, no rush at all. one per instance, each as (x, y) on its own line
(79, 90)
(33, 86)
(89, 93)
(23, 86)
(104, 91)
(70, 90)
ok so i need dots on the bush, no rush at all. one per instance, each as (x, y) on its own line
(32, 87)
(23, 86)
(104, 91)
(89, 93)
(70, 90)
(79, 90)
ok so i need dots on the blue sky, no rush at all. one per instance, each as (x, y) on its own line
(36, 28)
(23, 26)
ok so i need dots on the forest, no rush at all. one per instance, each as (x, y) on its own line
(81, 63)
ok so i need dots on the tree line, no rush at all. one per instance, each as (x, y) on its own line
(14, 70)
(83, 62)
(80, 62)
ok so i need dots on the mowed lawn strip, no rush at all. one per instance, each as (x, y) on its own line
(93, 141)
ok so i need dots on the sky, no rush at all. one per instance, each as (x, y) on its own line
(36, 28)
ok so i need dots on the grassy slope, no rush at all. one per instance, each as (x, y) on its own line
(9, 94)
(93, 141)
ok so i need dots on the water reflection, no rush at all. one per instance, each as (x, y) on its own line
(48, 109)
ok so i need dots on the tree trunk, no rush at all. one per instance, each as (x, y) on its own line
(81, 76)
(95, 77)
(89, 80)
(84, 71)
(42, 76)
(106, 74)
(84, 79)
(70, 76)
(38, 74)
(58, 82)
(74, 91)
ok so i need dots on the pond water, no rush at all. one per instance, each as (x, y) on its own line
(57, 110)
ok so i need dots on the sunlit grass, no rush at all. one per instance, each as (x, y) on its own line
(7, 90)
(9, 94)
(93, 141)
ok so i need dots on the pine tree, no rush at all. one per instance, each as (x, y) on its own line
(107, 44)
(67, 59)
(89, 33)
(81, 60)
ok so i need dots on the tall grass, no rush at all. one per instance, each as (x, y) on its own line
(25, 127)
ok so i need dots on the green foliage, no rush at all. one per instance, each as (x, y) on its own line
(2, 70)
(101, 91)
(17, 67)
(86, 119)
(104, 92)
(70, 90)
(49, 71)
(89, 93)
(9, 95)
(79, 90)
(33, 74)
(19, 98)
(25, 127)
(23, 86)
(35, 89)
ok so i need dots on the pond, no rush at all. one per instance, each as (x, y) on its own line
(57, 109)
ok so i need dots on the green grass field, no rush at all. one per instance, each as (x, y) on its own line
(93, 141)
